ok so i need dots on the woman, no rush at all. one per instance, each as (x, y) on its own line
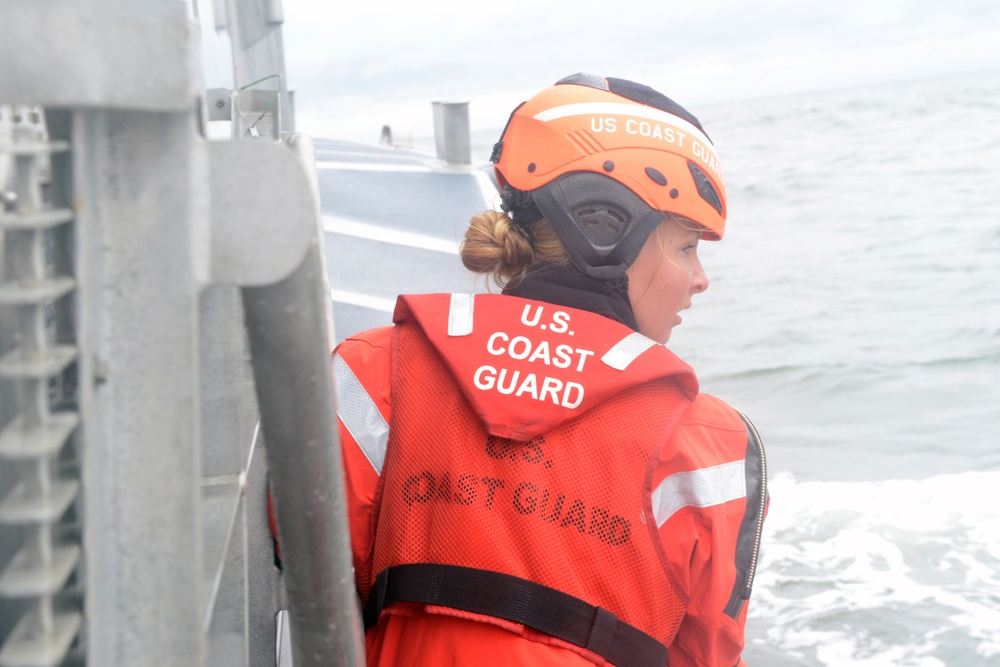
(533, 478)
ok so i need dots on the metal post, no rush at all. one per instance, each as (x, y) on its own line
(451, 132)
(289, 327)
(141, 183)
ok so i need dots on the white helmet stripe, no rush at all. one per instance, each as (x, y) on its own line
(621, 109)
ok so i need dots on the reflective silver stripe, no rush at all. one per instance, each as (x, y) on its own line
(460, 314)
(627, 350)
(699, 488)
(358, 413)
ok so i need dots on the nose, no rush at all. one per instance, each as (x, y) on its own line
(699, 281)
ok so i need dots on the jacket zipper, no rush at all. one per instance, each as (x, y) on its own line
(760, 514)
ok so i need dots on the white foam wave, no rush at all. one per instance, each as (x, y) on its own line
(899, 572)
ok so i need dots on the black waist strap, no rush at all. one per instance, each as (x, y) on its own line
(514, 599)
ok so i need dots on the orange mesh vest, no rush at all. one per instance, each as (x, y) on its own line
(508, 453)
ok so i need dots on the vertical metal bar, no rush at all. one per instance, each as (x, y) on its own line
(287, 327)
(258, 47)
(141, 183)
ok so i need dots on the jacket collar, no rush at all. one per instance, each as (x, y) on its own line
(567, 286)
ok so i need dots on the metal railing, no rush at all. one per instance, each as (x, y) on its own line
(132, 249)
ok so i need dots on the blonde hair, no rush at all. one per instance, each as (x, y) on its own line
(502, 250)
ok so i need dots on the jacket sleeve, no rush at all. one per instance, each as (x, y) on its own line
(709, 498)
(361, 368)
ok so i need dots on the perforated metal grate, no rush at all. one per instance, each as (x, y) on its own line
(37, 443)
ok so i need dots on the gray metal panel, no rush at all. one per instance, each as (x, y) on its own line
(228, 646)
(341, 151)
(228, 401)
(142, 202)
(349, 319)
(101, 53)
(263, 576)
(386, 270)
(228, 416)
(434, 203)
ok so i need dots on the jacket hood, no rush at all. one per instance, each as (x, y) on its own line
(527, 366)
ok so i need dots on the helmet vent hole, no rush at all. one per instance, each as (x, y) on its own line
(599, 225)
(656, 176)
(605, 224)
(674, 193)
(705, 188)
(531, 167)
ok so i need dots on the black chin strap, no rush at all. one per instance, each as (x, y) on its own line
(521, 208)
(619, 284)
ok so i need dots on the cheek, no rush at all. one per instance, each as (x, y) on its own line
(641, 276)
(671, 283)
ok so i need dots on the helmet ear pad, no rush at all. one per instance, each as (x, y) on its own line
(601, 223)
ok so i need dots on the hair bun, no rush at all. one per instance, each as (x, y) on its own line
(497, 246)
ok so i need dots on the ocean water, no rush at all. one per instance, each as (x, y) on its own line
(854, 315)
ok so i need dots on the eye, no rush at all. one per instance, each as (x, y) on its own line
(692, 246)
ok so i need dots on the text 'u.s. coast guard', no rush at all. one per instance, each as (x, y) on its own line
(538, 386)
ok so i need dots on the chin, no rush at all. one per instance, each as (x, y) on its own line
(658, 334)
(662, 338)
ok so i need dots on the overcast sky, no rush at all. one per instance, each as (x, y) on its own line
(357, 65)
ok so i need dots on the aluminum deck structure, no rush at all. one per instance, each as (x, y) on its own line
(393, 219)
(165, 328)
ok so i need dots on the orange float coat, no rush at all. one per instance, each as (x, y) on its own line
(554, 446)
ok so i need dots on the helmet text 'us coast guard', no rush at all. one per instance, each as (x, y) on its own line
(603, 159)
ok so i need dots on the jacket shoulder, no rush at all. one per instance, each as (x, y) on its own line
(377, 341)
(712, 412)
(710, 432)
(363, 361)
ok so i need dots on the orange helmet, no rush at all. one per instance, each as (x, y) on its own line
(603, 159)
